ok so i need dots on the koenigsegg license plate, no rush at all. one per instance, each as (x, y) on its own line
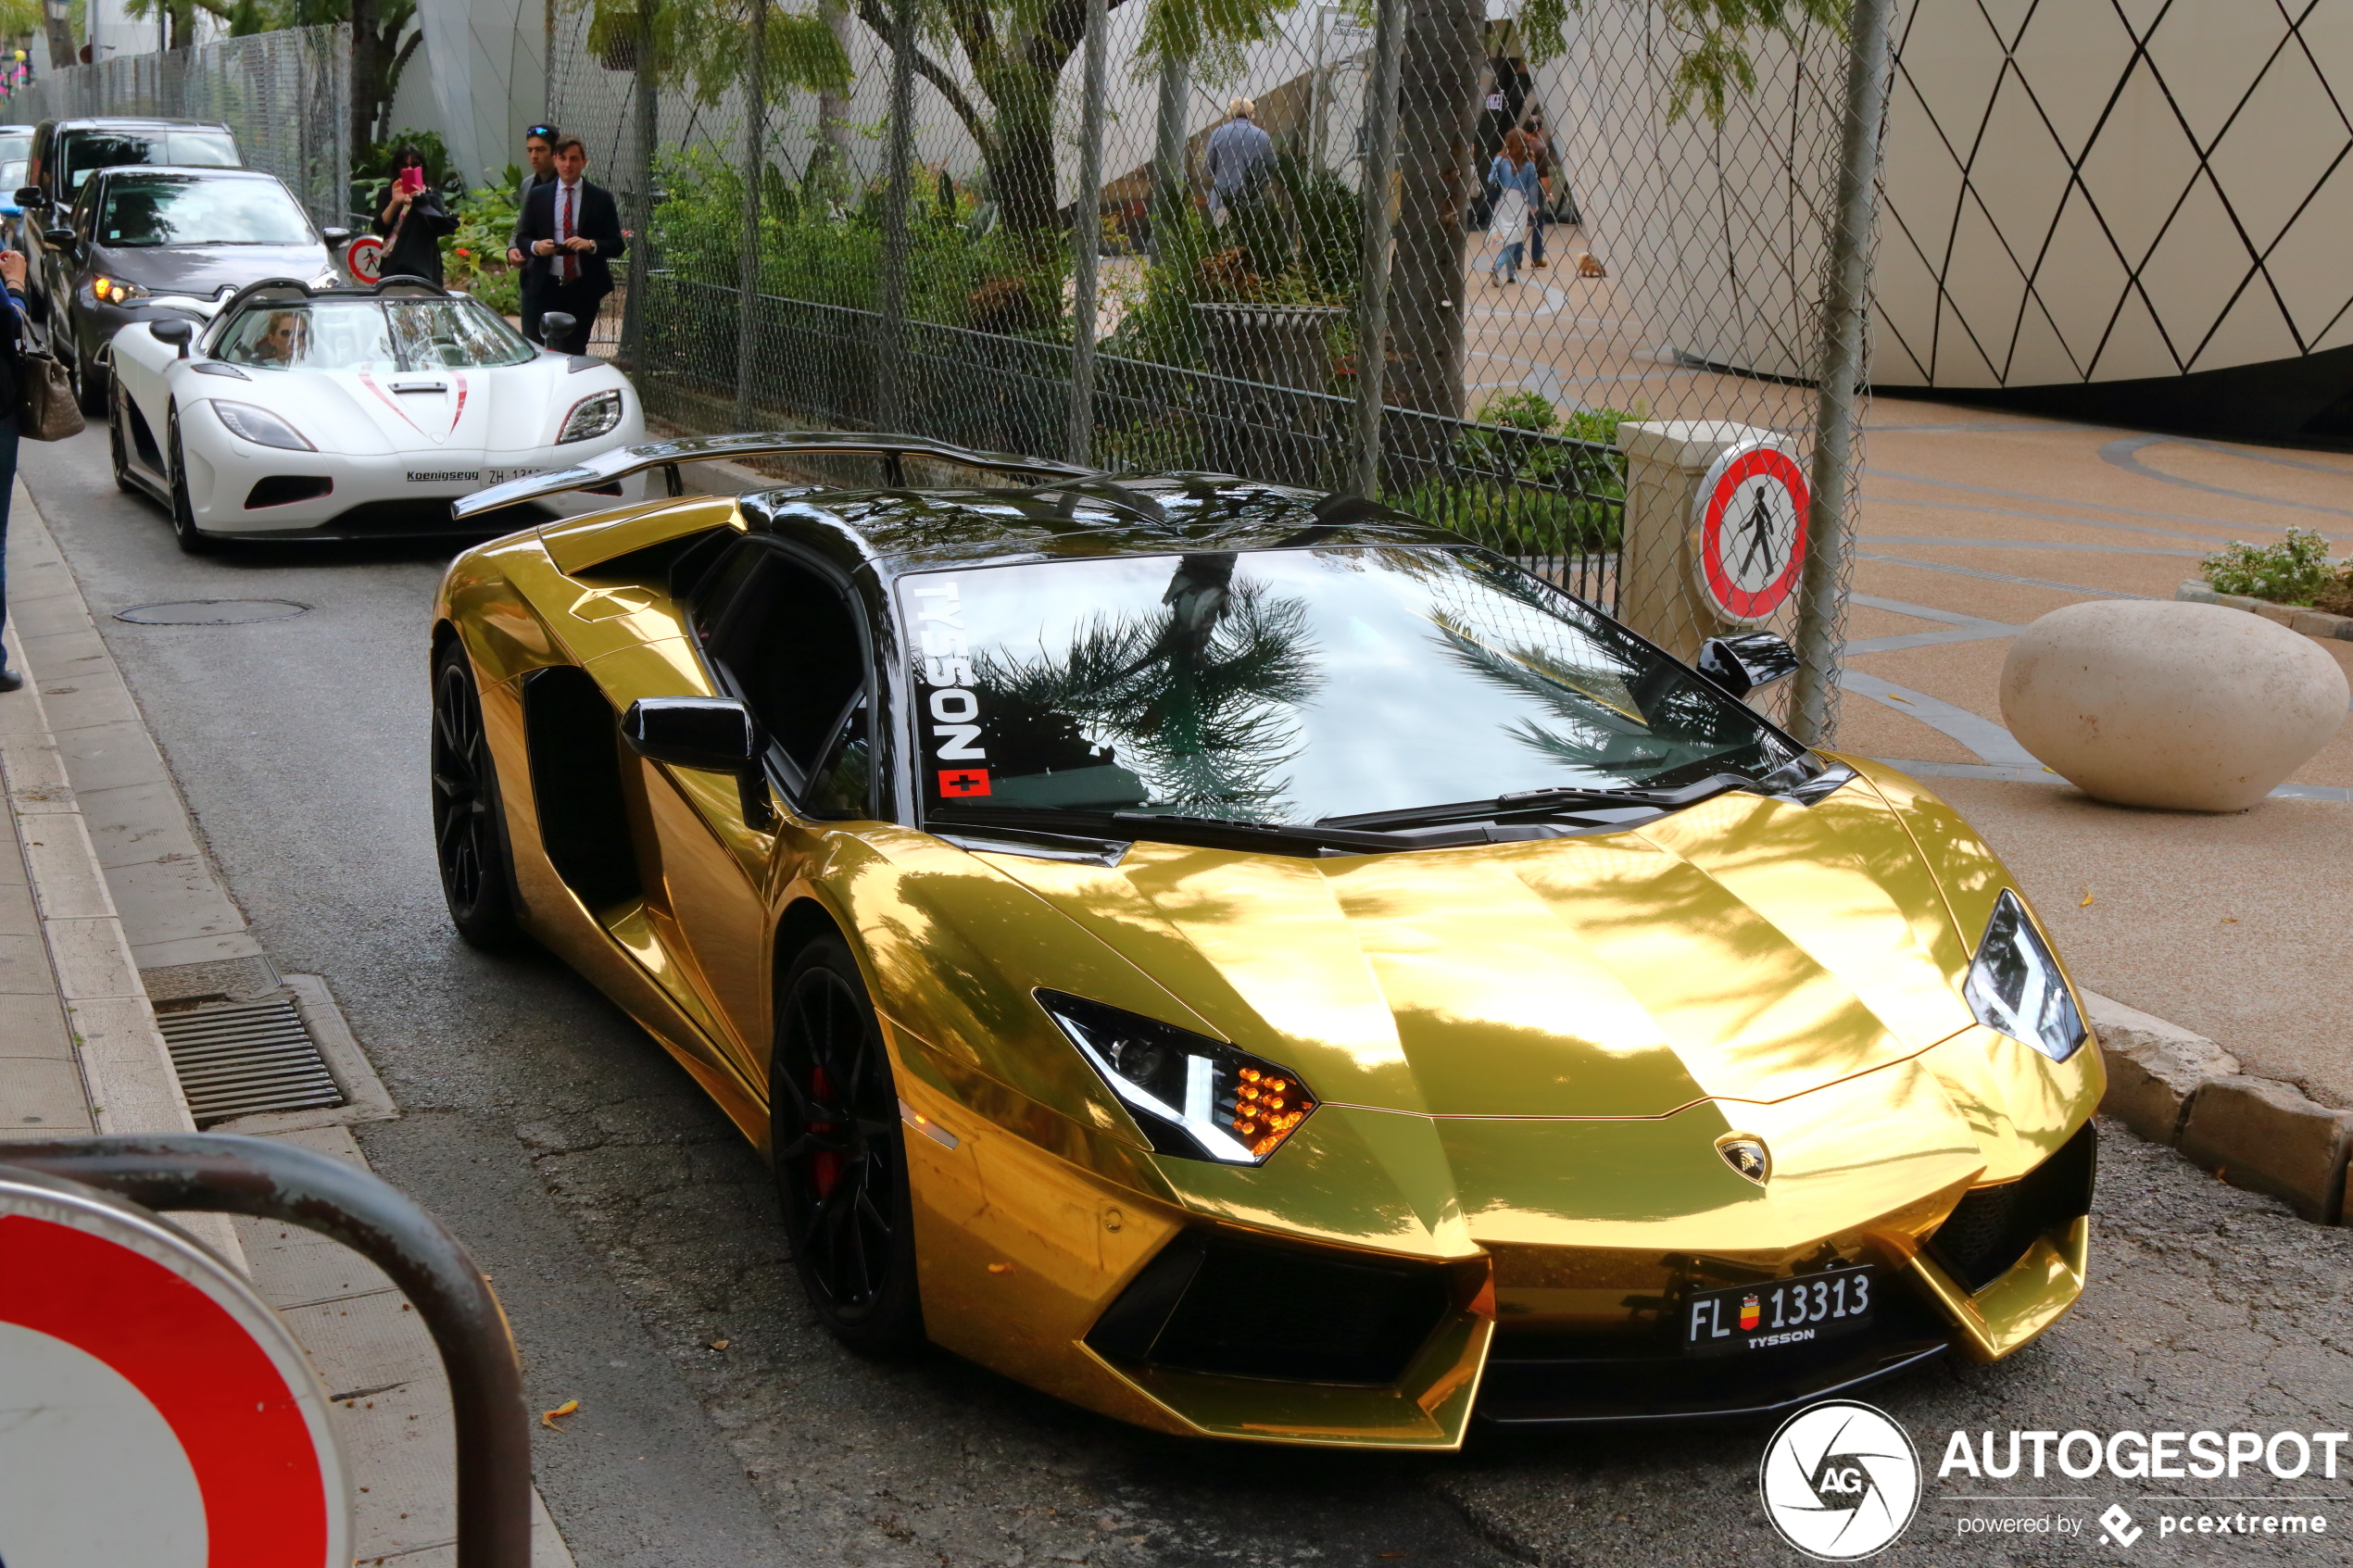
(1804, 1310)
(502, 476)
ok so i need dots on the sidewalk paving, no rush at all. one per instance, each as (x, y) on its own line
(106, 895)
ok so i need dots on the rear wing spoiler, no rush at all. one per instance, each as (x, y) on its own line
(606, 468)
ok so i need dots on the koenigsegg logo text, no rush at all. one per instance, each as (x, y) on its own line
(948, 670)
(445, 476)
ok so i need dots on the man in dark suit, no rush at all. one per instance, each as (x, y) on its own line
(539, 149)
(571, 231)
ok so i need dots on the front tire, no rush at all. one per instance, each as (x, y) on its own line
(89, 381)
(192, 539)
(841, 1159)
(469, 823)
(119, 442)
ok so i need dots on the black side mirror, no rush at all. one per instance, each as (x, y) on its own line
(714, 733)
(1742, 664)
(558, 323)
(174, 330)
(32, 198)
(59, 237)
(335, 236)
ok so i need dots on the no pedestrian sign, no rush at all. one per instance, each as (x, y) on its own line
(1750, 549)
(153, 1409)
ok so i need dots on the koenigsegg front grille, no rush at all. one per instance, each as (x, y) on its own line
(286, 489)
(1990, 1228)
(1250, 1310)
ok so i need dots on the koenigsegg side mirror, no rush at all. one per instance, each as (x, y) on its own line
(335, 236)
(32, 198)
(713, 733)
(176, 331)
(1742, 664)
(558, 323)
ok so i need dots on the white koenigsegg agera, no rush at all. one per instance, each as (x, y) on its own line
(347, 412)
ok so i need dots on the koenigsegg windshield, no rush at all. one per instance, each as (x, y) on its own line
(189, 209)
(86, 152)
(1297, 686)
(387, 334)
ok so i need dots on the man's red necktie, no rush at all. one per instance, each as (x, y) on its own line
(569, 228)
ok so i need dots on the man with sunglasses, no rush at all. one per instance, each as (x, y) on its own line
(539, 149)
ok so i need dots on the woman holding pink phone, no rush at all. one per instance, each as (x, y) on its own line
(413, 222)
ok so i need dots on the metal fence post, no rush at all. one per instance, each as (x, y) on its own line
(1169, 176)
(1087, 240)
(1822, 615)
(891, 352)
(1372, 284)
(633, 306)
(748, 274)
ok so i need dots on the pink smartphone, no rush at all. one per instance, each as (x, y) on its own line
(412, 179)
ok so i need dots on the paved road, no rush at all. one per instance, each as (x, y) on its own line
(627, 1226)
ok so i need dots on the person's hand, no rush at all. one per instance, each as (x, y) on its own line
(12, 268)
(514, 256)
(543, 247)
(580, 242)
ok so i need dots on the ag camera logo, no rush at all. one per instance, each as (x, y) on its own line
(1840, 1480)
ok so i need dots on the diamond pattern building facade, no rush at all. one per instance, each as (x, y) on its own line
(2139, 211)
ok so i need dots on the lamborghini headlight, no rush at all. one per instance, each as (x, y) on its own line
(593, 415)
(2015, 984)
(114, 290)
(260, 426)
(1194, 1097)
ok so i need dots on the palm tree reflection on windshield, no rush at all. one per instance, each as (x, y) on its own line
(1197, 701)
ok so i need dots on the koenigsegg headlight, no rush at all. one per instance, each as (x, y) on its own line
(1194, 1097)
(114, 290)
(591, 417)
(260, 426)
(2015, 984)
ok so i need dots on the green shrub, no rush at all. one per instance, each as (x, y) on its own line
(1530, 497)
(475, 258)
(2293, 571)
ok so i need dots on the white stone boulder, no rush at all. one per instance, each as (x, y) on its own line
(2187, 706)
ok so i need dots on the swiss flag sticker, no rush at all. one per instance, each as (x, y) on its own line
(958, 783)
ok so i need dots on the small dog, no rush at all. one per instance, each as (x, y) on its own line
(1588, 267)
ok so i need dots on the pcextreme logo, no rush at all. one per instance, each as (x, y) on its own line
(1840, 1480)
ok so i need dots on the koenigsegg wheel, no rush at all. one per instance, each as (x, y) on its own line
(469, 825)
(119, 441)
(183, 511)
(842, 1164)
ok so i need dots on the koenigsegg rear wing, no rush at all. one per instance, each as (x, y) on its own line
(622, 461)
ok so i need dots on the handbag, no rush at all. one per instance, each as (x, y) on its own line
(47, 409)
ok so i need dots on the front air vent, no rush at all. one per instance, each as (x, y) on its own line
(1990, 1228)
(237, 1058)
(286, 489)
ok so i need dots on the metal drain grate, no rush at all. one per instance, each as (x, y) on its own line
(239, 1058)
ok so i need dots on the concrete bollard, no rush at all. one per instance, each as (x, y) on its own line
(1658, 588)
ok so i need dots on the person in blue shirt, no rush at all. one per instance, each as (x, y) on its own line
(1517, 190)
(12, 333)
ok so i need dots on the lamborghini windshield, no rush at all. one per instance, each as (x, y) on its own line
(1296, 686)
(383, 335)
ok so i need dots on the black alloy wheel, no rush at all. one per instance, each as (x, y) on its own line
(841, 1158)
(193, 541)
(469, 825)
(119, 442)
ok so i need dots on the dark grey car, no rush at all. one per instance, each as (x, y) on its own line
(142, 244)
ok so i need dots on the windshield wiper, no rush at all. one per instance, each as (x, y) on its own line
(1521, 802)
(1214, 832)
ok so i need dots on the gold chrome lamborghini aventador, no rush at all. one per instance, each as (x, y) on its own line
(1253, 965)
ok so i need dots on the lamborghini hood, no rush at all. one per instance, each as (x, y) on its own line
(1742, 950)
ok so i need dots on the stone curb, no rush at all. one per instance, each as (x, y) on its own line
(2295, 617)
(2182, 1090)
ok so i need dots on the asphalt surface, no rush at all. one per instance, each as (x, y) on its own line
(627, 1226)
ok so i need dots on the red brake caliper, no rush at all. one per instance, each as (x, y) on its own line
(825, 1165)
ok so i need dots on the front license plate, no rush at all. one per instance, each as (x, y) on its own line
(501, 476)
(1779, 1313)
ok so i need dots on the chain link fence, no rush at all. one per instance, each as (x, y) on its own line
(285, 95)
(1049, 230)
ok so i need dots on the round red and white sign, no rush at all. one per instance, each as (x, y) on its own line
(1749, 534)
(363, 258)
(153, 1409)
